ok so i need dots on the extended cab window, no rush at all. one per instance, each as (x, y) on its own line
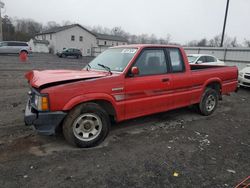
(151, 62)
(177, 63)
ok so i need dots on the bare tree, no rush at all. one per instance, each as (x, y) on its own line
(51, 25)
(234, 42)
(192, 43)
(8, 29)
(247, 43)
(215, 42)
(102, 30)
(202, 42)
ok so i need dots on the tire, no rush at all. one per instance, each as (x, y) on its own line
(86, 125)
(63, 56)
(209, 102)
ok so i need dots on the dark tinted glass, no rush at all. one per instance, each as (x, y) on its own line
(210, 59)
(17, 44)
(202, 59)
(151, 62)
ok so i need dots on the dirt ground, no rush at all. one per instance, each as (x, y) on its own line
(179, 148)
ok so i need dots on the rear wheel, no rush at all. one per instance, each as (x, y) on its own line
(86, 125)
(208, 102)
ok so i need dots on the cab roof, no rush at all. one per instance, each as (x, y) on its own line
(147, 46)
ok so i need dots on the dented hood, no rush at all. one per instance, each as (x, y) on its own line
(40, 78)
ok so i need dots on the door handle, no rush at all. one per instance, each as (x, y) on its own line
(165, 80)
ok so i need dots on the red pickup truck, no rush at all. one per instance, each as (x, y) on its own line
(122, 83)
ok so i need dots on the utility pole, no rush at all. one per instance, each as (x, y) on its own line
(1, 28)
(224, 26)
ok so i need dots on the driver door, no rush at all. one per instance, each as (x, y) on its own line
(148, 92)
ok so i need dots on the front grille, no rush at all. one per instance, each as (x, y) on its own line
(245, 83)
(247, 77)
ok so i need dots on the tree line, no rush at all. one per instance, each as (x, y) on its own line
(25, 29)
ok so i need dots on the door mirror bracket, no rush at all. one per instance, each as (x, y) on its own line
(134, 71)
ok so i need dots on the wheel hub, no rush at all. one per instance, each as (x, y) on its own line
(87, 127)
(210, 103)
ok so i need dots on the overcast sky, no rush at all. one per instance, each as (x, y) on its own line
(184, 20)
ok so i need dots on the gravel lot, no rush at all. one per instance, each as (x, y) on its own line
(145, 152)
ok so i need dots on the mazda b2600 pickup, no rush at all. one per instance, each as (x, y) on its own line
(122, 83)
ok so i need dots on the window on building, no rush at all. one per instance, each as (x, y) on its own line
(97, 41)
(88, 51)
(151, 62)
(50, 36)
(123, 43)
(80, 38)
(176, 60)
(112, 43)
(117, 44)
(105, 43)
(72, 37)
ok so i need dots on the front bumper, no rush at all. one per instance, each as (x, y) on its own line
(44, 122)
(244, 82)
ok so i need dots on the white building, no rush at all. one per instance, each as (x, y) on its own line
(40, 46)
(76, 36)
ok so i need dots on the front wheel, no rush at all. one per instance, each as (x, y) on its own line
(86, 125)
(208, 102)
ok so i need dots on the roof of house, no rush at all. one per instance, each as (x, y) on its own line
(110, 37)
(97, 35)
(58, 29)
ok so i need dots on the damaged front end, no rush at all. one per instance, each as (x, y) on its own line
(37, 113)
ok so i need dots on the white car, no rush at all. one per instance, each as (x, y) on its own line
(204, 59)
(244, 76)
(14, 47)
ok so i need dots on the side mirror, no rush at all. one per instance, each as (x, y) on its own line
(134, 71)
(199, 62)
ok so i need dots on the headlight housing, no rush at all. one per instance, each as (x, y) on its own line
(41, 102)
(241, 74)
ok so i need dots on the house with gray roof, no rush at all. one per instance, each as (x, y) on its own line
(77, 36)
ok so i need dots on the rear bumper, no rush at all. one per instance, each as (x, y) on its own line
(44, 122)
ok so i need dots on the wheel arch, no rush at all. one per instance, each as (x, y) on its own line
(215, 84)
(107, 103)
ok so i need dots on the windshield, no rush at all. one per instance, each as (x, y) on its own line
(191, 59)
(116, 59)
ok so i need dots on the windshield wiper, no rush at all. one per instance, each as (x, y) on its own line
(105, 67)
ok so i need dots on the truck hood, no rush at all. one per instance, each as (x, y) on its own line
(38, 79)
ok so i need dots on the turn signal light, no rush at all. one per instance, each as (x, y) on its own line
(45, 104)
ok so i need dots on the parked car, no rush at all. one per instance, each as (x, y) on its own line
(14, 47)
(204, 59)
(122, 83)
(70, 52)
(244, 77)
